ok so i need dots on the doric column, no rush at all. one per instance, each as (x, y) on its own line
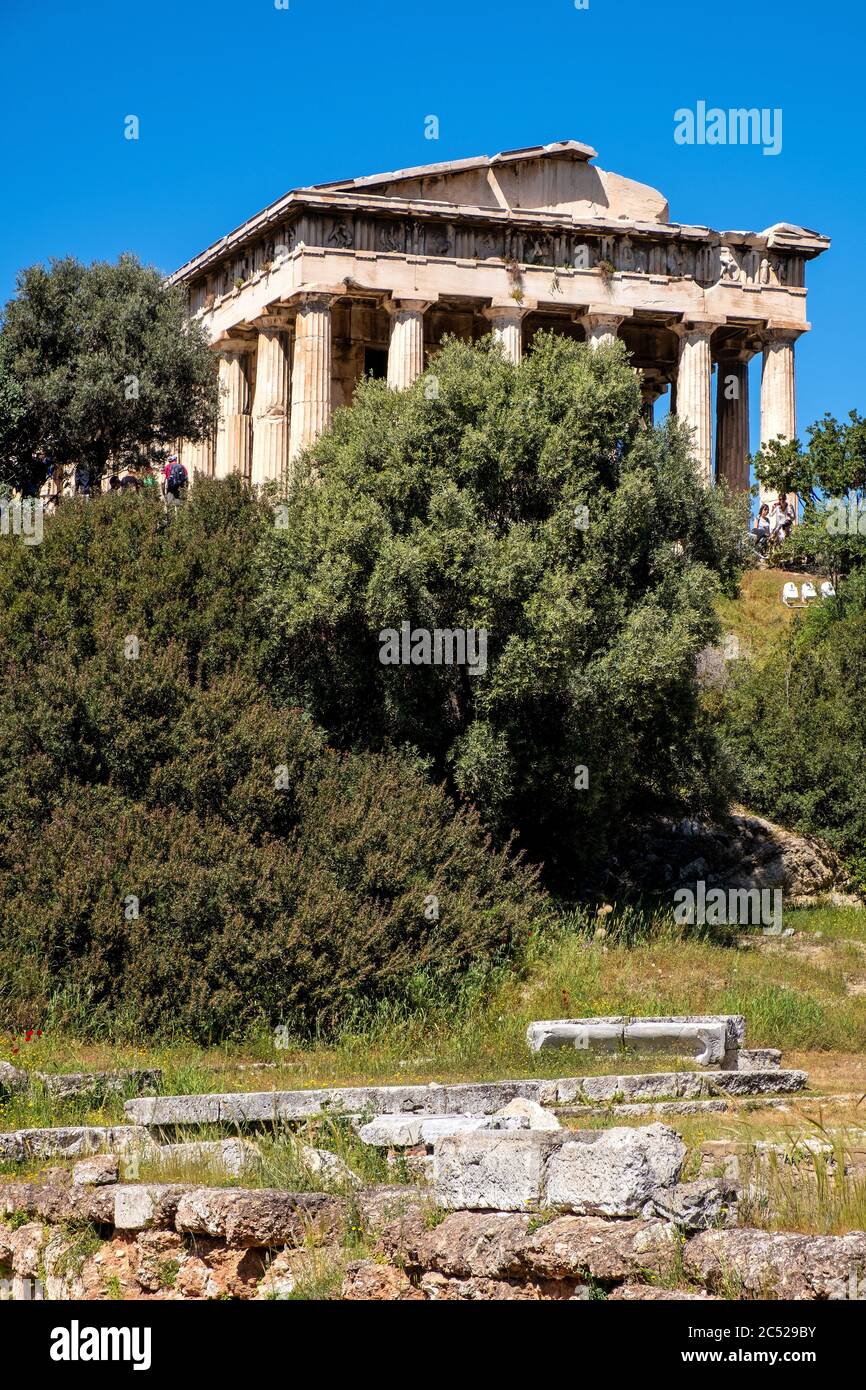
(778, 391)
(602, 325)
(311, 371)
(271, 402)
(406, 349)
(506, 322)
(778, 395)
(198, 458)
(694, 384)
(732, 420)
(234, 426)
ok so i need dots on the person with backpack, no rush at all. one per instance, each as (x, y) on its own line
(174, 479)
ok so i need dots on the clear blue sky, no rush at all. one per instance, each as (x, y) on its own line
(239, 101)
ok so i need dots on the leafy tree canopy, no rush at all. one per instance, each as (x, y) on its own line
(531, 502)
(829, 476)
(98, 362)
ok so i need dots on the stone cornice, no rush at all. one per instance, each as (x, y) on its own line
(782, 236)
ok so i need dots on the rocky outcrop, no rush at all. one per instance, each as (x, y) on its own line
(742, 851)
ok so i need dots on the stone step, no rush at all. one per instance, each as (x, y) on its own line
(464, 1098)
(688, 1107)
(71, 1141)
(684, 1085)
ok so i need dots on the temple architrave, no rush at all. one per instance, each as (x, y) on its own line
(365, 276)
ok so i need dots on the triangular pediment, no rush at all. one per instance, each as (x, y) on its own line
(544, 178)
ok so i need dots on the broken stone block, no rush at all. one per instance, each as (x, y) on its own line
(398, 1131)
(12, 1079)
(68, 1085)
(492, 1170)
(536, 1115)
(758, 1059)
(613, 1172)
(330, 1167)
(138, 1207)
(98, 1171)
(695, 1206)
(262, 1217)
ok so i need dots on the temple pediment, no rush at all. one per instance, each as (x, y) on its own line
(545, 178)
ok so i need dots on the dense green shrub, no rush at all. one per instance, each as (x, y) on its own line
(458, 504)
(178, 853)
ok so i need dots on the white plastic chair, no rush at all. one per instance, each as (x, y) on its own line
(828, 590)
(807, 592)
(790, 594)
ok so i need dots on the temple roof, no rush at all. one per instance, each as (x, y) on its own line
(554, 183)
(545, 178)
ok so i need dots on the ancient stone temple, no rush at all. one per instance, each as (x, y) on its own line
(364, 276)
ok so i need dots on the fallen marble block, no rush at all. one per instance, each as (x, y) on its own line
(407, 1132)
(712, 1040)
(73, 1141)
(758, 1059)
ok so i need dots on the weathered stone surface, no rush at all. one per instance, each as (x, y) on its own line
(707, 1038)
(465, 1098)
(686, 1085)
(153, 1248)
(490, 1170)
(366, 1281)
(97, 1171)
(537, 1116)
(404, 1132)
(776, 1264)
(330, 1167)
(741, 852)
(645, 1293)
(139, 1206)
(57, 1203)
(610, 1172)
(758, 1059)
(613, 1172)
(697, 1205)
(649, 1107)
(19, 1145)
(379, 1206)
(12, 1079)
(235, 1157)
(439, 1288)
(66, 1085)
(264, 1217)
(26, 1245)
(592, 1247)
(466, 1243)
